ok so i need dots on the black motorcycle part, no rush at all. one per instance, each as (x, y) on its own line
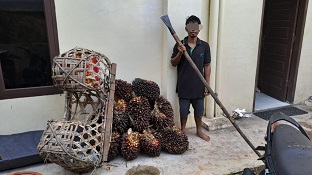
(248, 171)
(291, 151)
(288, 149)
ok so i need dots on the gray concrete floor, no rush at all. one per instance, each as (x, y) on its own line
(227, 152)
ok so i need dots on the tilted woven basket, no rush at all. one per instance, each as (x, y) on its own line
(81, 142)
(80, 69)
(76, 147)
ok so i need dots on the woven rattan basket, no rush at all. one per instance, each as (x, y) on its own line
(81, 142)
(80, 69)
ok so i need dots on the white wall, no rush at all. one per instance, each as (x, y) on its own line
(237, 52)
(29, 114)
(129, 33)
(304, 83)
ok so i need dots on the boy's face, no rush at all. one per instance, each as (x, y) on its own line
(193, 29)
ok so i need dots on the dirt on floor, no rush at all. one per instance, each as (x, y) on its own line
(143, 170)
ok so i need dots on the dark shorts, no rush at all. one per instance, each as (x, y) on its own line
(197, 104)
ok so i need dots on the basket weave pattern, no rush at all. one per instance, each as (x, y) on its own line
(80, 143)
(80, 70)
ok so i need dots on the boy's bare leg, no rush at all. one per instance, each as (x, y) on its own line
(200, 133)
(183, 121)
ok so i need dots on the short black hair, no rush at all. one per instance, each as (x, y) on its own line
(193, 19)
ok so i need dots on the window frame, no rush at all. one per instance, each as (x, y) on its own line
(50, 15)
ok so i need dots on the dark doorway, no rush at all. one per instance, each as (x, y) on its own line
(282, 32)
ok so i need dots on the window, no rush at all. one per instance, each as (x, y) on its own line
(28, 43)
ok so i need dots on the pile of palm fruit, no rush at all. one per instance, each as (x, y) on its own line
(143, 121)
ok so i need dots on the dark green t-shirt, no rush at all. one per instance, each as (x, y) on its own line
(189, 84)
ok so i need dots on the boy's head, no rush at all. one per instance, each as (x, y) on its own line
(193, 26)
(192, 19)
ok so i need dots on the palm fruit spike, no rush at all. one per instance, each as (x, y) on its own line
(146, 88)
(130, 145)
(123, 90)
(160, 120)
(150, 144)
(139, 113)
(157, 134)
(174, 140)
(114, 148)
(120, 106)
(121, 121)
(165, 107)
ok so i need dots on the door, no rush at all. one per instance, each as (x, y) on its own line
(278, 33)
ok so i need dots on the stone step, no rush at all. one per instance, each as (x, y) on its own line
(215, 123)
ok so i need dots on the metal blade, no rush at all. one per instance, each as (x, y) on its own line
(166, 20)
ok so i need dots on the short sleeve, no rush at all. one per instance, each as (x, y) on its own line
(175, 50)
(208, 55)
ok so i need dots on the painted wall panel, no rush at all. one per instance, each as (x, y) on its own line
(239, 30)
(304, 81)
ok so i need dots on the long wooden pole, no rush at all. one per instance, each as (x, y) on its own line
(109, 112)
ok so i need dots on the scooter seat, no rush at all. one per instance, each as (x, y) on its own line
(291, 151)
